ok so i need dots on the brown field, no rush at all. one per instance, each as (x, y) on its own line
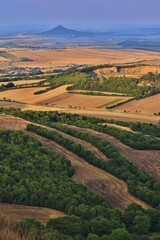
(19, 212)
(83, 143)
(84, 101)
(147, 160)
(129, 72)
(149, 105)
(12, 123)
(114, 189)
(59, 97)
(26, 95)
(2, 59)
(23, 82)
(24, 106)
(92, 113)
(59, 58)
(15, 123)
(96, 180)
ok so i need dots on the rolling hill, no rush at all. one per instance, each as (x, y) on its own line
(61, 31)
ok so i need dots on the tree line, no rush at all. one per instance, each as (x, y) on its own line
(34, 175)
(139, 183)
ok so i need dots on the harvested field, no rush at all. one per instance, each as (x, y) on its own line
(108, 114)
(83, 143)
(25, 106)
(92, 113)
(147, 160)
(19, 212)
(12, 123)
(26, 95)
(60, 58)
(86, 101)
(2, 59)
(23, 82)
(149, 105)
(15, 123)
(59, 97)
(99, 181)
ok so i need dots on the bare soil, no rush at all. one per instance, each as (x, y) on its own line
(99, 181)
(19, 212)
(114, 189)
(147, 160)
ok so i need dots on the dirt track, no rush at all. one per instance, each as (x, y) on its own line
(147, 160)
(19, 212)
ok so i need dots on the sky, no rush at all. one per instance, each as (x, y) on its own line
(80, 13)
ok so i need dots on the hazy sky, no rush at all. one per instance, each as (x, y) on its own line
(79, 12)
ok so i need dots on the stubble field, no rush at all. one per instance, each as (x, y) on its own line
(51, 58)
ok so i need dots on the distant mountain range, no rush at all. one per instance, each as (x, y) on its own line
(61, 31)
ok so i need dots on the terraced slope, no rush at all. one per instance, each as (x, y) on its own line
(99, 181)
(83, 143)
(147, 160)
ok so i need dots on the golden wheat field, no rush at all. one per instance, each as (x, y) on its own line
(149, 105)
(23, 82)
(59, 97)
(50, 58)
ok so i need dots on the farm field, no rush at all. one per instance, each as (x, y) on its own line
(95, 179)
(59, 97)
(2, 59)
(26, 95)
(83, 143)
(84, 101)
(19, 212)
(148, 105)
(80, 120)
(105, 183)
(147, 160)
(93, 113)
(23, 82)
(91, 56)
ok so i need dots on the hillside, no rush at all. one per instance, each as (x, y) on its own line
(61, 31)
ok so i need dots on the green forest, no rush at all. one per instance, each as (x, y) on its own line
(139, 140)
(139, 183)
(126, 85)
(34, 175)
(90, 214)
